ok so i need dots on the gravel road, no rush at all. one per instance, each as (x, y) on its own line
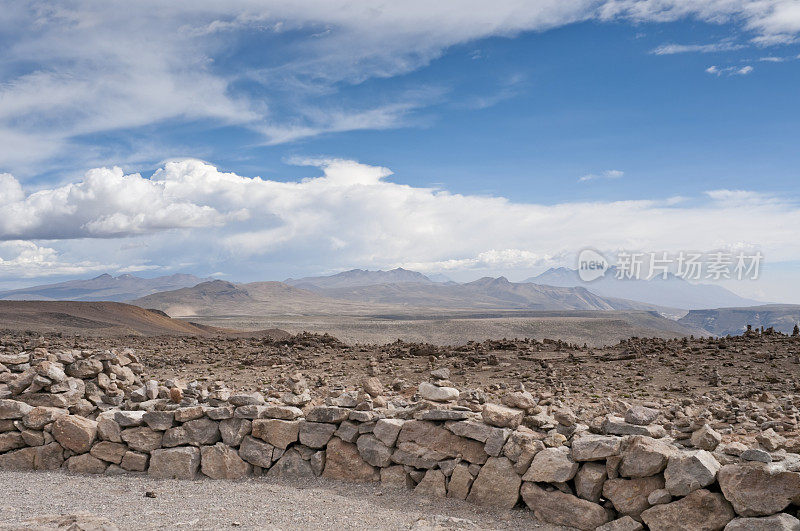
(255, 503)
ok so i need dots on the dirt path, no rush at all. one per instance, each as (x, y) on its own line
(259, 503)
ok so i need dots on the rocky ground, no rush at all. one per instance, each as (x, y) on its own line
(649, 430)
(745, 384)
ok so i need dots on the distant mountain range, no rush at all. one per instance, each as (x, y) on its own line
(673, 292)
(359, 277)
(734, 321)
(102, 288)
(350, 297)
(400, 292)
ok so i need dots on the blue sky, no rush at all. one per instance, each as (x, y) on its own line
(480, 135)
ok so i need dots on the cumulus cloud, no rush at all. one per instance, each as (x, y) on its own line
(24, 259)
(80, 68)
(105, 204)
(608, 174)
(355, 215)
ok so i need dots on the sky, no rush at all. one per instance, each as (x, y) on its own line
(257, 140)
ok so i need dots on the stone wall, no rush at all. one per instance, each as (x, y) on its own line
(90, 412)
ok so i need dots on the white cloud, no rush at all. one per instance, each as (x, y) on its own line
(80, 68)
(353, 215)
(729, 70)
(105, 204)
(671, 49)
(24, 259)
(607, 174)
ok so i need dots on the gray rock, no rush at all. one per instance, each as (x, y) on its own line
(552, 465)
(757, 455)
(706, 438)
(256, 452)
(560, 508)
(589, 481)
(387, 430)
(433, 485)
(222, 462)
(640, 415)
(776, 522)
(699, 510)
(630, 496)
(502, 416)
(174, 463)
(331, 415)
(589, 447)
(645, 456)
(316, 434)
(434, 393)
(374, 451)
(234, 430)
(688, 471)
(497, 484)
(757, 489)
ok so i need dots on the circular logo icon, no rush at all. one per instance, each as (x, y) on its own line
(591, 265)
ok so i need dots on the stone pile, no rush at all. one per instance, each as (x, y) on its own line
(91, 412)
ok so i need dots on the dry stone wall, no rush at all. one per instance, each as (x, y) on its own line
(90, 412)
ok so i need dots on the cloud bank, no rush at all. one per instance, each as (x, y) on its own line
(189, 215)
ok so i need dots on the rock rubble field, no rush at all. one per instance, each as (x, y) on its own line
(722, 456)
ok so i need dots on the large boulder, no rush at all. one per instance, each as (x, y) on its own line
(233, 431)
(278, 433)
(589, 481)
(86, 464)
(256, 452)
(706, 438)
(142, 439)
(329, 414)
(644, 457)
(434, 393)
(629, 496)
(222, 462)
(502, 416)
(552, 465)
(497, 484)
(13, 409)
(342, 461)
(387, 430)
(590, 447)
(49, 457)
(39, 417)
(174, 463)
(316, 434)
(776, 522)
(109, 451)
(75, 433)
(460, 482)
(757, 489)
(560, 508)
(291, 465)
(442, 441)
(701, 510)
(374, 451)
(11, 440)
(23, 459)
(433, 485)
(688, 471)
